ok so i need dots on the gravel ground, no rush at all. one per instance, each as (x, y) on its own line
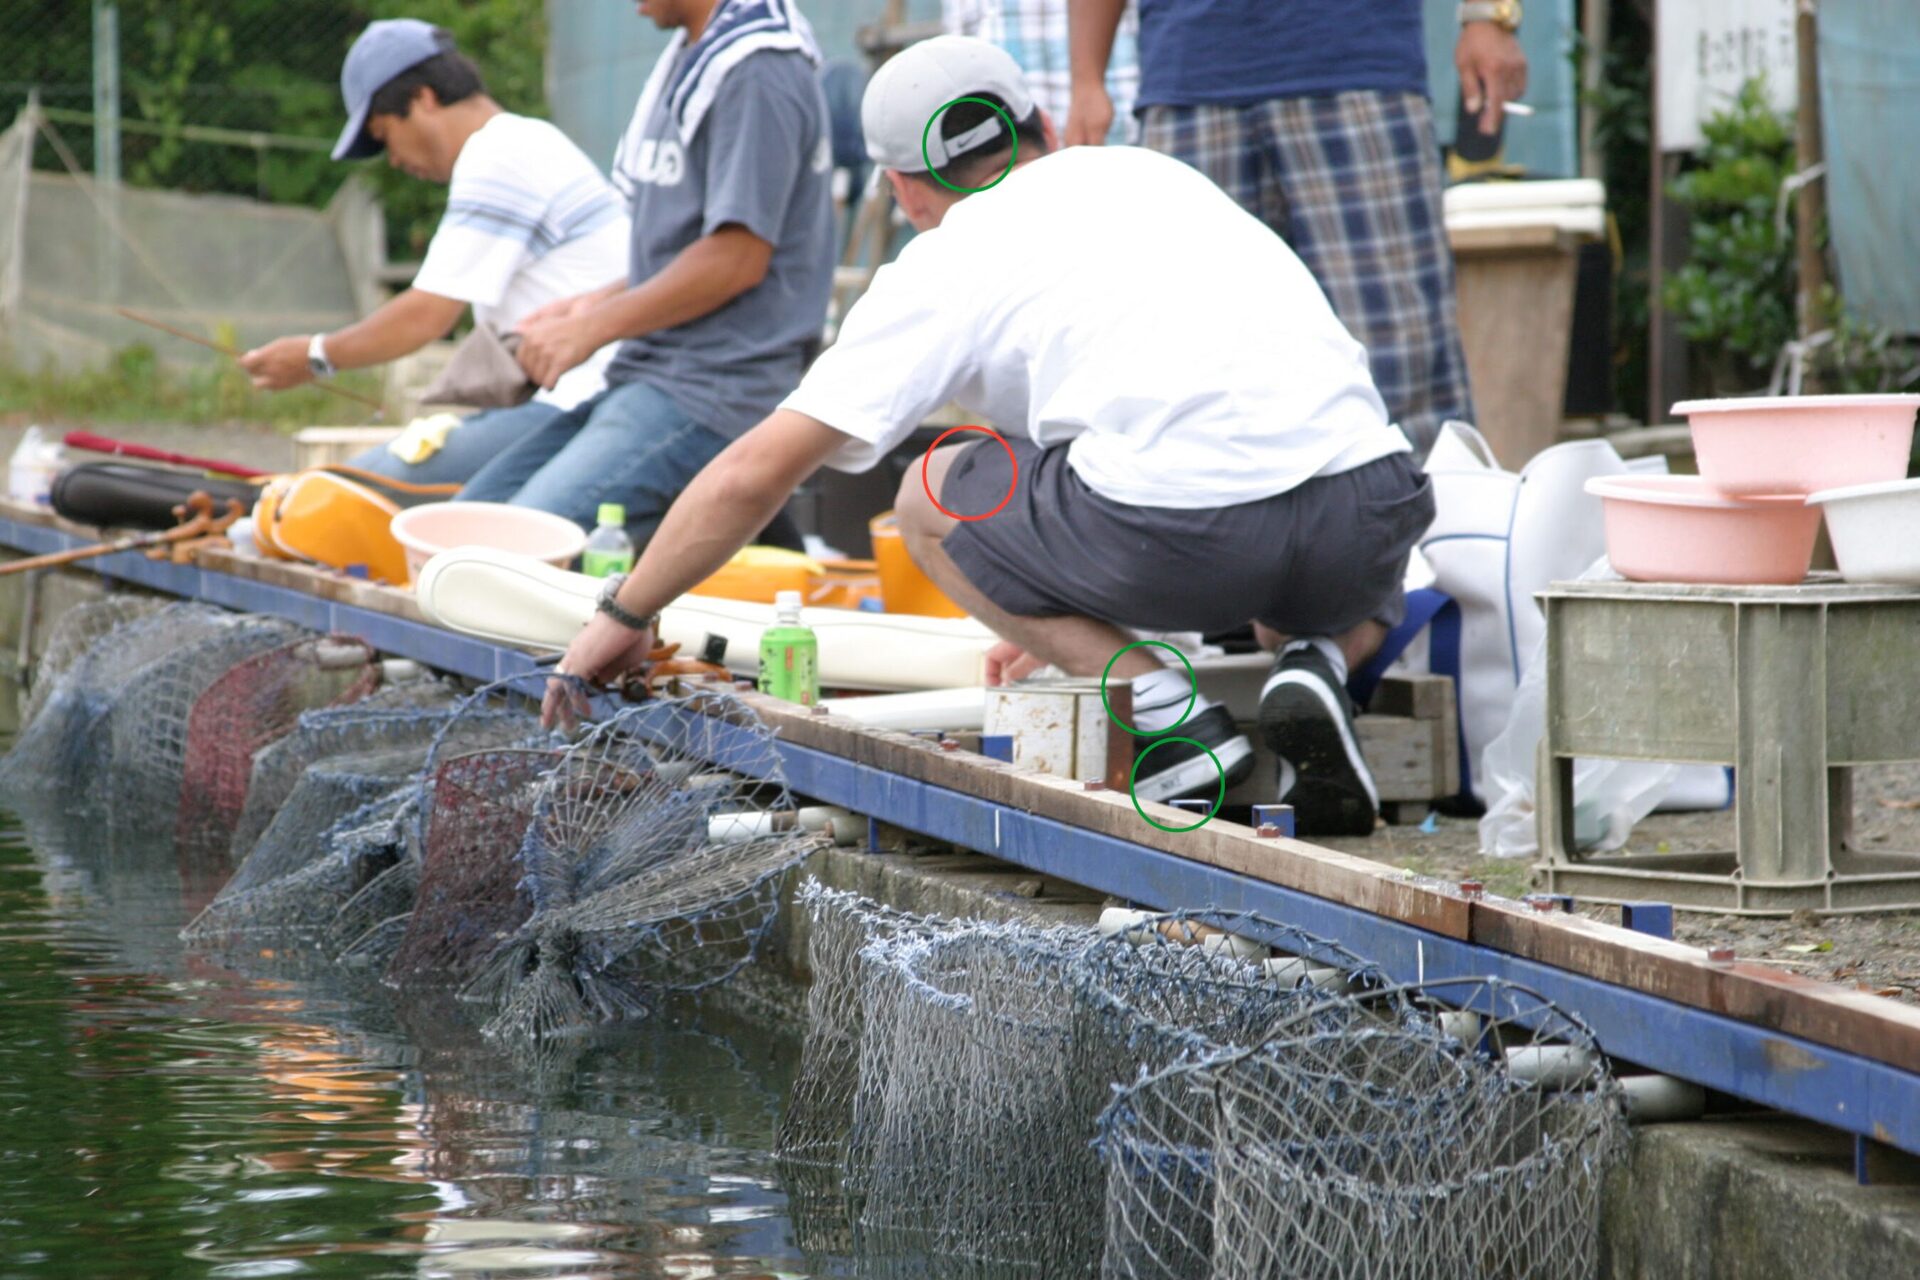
(1879, 953)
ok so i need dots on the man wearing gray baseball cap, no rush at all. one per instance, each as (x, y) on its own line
(1193, 438)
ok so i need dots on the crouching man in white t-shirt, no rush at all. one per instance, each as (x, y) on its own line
(1193, 438)
(530, 222)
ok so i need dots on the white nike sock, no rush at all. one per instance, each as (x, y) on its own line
(1328, 650)
(1159, 698)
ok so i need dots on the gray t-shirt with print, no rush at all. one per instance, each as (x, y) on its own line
(760, 159)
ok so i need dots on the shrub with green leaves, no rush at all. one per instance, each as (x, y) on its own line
(1736, 295)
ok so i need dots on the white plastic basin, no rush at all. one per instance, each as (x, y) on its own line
(1875, 529)
(423, 532)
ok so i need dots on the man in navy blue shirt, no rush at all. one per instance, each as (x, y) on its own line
(1314, 116)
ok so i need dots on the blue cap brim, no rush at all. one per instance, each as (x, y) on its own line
(355, 142)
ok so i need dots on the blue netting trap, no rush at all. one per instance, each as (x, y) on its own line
(954, 1072)
(573, 883)
(1459, 1128)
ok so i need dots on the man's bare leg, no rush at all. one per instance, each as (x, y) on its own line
(1078, 646)
(1357, 645)
(1212, 752)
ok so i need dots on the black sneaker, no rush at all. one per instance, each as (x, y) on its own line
(1180, 770)
(1307, 719)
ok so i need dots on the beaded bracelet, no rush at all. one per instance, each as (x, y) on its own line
(608, 605)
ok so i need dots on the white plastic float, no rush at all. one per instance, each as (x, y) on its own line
(1294, 971)
(1659, 1099)
(514, 599)
(1138, 927)
(828, 820)
(948, 710)
(1553, 1066)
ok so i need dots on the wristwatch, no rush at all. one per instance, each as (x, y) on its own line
(1504, 14)
(317, 356)
(625, 617)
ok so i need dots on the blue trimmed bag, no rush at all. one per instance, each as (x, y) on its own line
(1497, 538)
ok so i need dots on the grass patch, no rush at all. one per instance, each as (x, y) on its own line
(134, 386)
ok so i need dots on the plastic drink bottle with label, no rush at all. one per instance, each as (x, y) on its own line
(609, 551)
(33, 467)
(789, 654)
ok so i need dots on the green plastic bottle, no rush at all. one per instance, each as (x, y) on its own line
(609, 551)
(789, 654)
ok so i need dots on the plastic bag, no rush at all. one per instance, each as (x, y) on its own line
(1610, 796)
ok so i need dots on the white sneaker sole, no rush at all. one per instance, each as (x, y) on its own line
(1194, 774)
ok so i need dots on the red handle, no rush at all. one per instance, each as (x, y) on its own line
(126, 448)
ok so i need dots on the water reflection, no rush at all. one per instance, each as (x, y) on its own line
(169, 1113)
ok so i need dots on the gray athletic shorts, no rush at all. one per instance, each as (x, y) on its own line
(1317, 560)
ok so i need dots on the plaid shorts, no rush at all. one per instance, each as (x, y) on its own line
(1352, 182)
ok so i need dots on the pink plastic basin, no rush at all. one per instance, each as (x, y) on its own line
(1679, 529)
(1798, 444)
(423, 532)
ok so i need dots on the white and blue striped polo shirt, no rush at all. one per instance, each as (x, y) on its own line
(529, 220)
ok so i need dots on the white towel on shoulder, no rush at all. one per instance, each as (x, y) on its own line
(738, 29)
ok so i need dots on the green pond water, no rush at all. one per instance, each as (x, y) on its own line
(163, 1114)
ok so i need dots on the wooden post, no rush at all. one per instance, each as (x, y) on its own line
(106, 142)
(1595, 32)
(106, 96)
(1810, 208)
(1667, 226)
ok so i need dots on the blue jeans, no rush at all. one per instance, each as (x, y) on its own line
(630, 444)
(478, 440)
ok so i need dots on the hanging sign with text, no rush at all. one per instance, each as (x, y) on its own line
(1707, 50)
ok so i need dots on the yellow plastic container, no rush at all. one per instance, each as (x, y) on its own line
(903, 588)
(757, 573)
(330, 520)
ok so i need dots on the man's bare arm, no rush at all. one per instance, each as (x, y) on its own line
(724, 506)
(702, 278)
(578, 304)
(401, 325)
(731, 499)
(1091, 25)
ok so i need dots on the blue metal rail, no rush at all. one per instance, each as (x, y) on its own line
(1849, 1092)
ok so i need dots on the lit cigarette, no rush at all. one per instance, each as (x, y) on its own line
(1518, 108)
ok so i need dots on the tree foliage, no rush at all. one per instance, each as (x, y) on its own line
(1735, 294)
(271, 66)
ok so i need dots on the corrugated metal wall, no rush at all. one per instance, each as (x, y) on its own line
(1869, 106)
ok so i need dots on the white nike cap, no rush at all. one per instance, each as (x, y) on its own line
(914, 84)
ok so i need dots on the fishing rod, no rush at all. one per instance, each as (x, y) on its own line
(377, 407)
